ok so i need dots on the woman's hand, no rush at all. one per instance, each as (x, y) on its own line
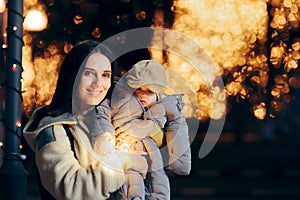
(134, 161)
(137, 128)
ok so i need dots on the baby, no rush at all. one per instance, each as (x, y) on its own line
(139, 98)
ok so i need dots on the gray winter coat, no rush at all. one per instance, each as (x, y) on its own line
(166, 113)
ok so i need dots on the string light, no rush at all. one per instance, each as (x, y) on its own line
(10, 85)
(14, 67)
(4, 46)
(18, 124)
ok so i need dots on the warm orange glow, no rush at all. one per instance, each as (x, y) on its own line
(234, 34)
(40, 76)
(2, 6)
(30, 3)
(18, 124)
(260, 110)
(14, 67)
(77, 19)
(227, 31)
(35, 20)
(4, 46)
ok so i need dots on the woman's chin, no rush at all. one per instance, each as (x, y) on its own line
(94, 101)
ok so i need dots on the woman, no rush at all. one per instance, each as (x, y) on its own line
(60, 136)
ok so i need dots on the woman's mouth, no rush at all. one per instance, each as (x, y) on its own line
(94, 92)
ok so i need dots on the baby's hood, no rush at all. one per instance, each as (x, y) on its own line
(148, 73)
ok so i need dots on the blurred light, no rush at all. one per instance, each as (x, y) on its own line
(158, 18)
(40, 76)
(243, 50)
(260, 110)
(29, 3)
(141, 15)
(2, 6)
(14, 67)
(27, 38)
(77, 19)
(254, 43)
(96, 33)
(40, 43)
(18, 124)
(67, 47)
(35, 20)
(294, 82)
(4, 46)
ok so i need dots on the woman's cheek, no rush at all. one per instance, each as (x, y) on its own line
(107, 85)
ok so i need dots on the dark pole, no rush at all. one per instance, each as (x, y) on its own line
(13, 176)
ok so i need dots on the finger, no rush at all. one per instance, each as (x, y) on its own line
(142, 153)
(144, 175)
(118, 131)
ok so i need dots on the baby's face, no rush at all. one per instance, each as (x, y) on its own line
(145, 96)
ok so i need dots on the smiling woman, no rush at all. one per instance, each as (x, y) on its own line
(60, 133)
(95, 81)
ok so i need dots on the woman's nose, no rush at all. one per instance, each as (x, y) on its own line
(97, 82)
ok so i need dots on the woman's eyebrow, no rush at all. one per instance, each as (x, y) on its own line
(89, 69)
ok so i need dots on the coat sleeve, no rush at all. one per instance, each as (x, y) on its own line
(65, 178)
(104, 114)
(177, 136)
(157, 112)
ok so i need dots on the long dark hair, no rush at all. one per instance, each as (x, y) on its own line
(70, 69)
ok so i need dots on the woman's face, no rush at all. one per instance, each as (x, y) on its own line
(95, 81)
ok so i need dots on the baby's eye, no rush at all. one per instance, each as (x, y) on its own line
(149, 91)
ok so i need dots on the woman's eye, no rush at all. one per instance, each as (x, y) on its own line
(88, 73)
(106, 75)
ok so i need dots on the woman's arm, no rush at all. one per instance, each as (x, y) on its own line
(67, 178)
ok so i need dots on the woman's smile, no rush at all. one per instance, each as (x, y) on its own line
(95, 81)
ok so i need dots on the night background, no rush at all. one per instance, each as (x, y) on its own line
(255, 45)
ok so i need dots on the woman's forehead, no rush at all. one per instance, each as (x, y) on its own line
(98, 61)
